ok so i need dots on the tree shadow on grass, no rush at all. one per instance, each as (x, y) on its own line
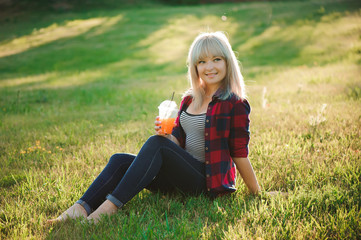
(82, 43)
(108, 53)
(280, 32)
(114, 36)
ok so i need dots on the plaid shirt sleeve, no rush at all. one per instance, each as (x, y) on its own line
(239, 129)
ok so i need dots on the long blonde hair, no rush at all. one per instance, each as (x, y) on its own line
(214, 44)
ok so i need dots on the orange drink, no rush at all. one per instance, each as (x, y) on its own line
(167, 125)
(168, 112)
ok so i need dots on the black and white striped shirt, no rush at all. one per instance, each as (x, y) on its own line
(193, 126)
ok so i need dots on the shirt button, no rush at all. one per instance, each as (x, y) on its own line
(206, 134)
(208, 189)
(206, 148)
(207, 175)
(209, 108)
(207, 121)
(207, 162)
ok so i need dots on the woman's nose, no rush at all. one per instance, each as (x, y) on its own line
(209, 65)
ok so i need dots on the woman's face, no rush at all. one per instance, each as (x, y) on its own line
(212, 70)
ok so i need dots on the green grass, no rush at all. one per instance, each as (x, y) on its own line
(76, 87)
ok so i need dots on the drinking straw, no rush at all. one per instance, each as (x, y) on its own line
(172, 97)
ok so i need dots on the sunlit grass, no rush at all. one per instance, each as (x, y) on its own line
(77, 87)
(307, 41)
(53, 80)
(171, 43)
(55, 32)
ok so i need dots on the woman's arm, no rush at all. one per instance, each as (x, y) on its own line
(172, 138)
(244, 167)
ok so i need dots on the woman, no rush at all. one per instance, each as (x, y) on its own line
(209, 140)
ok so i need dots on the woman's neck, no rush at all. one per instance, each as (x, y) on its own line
(209, 92)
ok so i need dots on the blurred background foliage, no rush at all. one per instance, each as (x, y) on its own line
(71, 5)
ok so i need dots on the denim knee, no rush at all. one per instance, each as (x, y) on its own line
(120, 158)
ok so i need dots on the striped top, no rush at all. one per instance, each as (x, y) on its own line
(193, 126)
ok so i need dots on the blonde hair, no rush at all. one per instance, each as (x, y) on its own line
(214, 44)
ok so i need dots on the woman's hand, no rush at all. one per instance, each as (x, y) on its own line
(157, 127)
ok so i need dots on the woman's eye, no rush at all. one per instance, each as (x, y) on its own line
(217, 59)
(200, 62)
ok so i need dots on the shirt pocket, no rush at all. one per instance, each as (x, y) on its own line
(223, 124)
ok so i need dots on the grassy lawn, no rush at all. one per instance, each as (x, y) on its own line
(76, 87)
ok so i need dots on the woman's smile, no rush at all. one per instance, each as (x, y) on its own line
(211, 74)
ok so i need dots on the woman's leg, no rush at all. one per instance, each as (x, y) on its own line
(107, 180)
(158, 154)
(180, 171)
(102, 185)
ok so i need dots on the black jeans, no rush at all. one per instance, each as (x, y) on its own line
(160, 165)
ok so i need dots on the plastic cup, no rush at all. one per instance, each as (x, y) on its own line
(168, 111)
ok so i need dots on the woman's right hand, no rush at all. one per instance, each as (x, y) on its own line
(157, 126)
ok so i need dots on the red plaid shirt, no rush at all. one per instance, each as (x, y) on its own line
(226, 136)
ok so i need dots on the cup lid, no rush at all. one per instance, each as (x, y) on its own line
(167, 104)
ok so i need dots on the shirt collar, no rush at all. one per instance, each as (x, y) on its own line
(217, 94)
